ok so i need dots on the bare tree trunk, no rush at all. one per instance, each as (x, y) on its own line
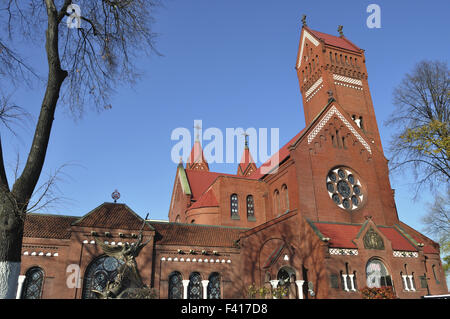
(14, 203)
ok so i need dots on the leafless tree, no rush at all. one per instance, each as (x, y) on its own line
(422, 120)
(85, 64)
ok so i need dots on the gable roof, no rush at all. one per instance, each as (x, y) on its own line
(199, 181)
(112, 216)
(48, 226)
(340, 42)
(195, 234)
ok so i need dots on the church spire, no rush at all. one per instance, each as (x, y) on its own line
(247, 165)
(196, 160)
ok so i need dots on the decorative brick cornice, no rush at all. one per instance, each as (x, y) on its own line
(327, 117)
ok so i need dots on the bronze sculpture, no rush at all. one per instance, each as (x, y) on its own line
(128, 283)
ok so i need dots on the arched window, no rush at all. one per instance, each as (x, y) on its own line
(195, 286)
(98, 273)
(32, 287)
(250, 207)
(234, 205)
(213, 289)
(285, 194)
(175, 286)
(377, 274)
(276, 202)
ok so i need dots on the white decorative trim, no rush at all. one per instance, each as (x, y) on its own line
(343, 251)
(308, 36)
(406, 254)
(327, 117)
(223, 261)
(347, 79)
(314, 89)
(40, 254)
(349, 86)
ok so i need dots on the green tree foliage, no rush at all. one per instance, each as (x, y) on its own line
(421, 117)
(437, 222)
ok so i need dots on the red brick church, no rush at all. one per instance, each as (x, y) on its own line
(318, 220)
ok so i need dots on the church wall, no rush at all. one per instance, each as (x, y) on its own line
(304, 250)
(180, 202)
(315, 160)
(285, 176)
(174, 261)
(54, 267)
(203, 215)
(226, 186)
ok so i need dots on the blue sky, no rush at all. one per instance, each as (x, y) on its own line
(229, 64)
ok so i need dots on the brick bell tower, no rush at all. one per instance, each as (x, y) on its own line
(329, 65)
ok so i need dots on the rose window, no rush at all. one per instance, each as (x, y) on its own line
(344, 188)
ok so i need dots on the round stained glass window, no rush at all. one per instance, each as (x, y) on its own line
(344, 188)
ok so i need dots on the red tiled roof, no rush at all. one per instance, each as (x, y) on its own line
(195, 235)
(340, 42)
(430, 246)
(341, 235)
(48, 226)
(206, 200)
(398, 241)
(112, 216)
(199, 181)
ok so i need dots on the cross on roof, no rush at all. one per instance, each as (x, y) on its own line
(198, 128)
(245, 134)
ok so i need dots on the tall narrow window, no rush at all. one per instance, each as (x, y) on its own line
(32, 287)
(213, 289)
(234, 205)
(250, 207)
(285, 194)
(175, 286)
(276, 202)
(195, 286)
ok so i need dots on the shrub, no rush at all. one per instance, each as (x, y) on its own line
(385, 292)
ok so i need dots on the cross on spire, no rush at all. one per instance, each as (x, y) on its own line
(245, 134)
(198, 128)
(304, 20)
